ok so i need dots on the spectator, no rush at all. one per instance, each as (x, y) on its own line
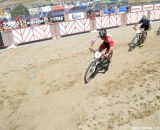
(90, 13)
(18, 21)
(128, 8)
(1, 25)
(110, 9)
(28, 21)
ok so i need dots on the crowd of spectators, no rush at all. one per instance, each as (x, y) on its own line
(45, 17)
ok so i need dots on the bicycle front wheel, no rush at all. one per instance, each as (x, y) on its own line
(90, 72)
(133, 43)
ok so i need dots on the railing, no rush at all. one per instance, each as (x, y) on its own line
(59, 29)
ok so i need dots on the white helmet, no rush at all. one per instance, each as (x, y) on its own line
(144, 16)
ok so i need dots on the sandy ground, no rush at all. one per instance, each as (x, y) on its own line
(42, 87)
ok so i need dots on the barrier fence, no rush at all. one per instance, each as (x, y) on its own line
(58, 29)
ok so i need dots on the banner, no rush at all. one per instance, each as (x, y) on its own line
(56, 19)
(122, 9)
(147, 7)
(36, 21)
(33, 10)
(69, 7)
(74, 16)
(136, 8)
(46, 9)
(157, 6)
(109, 11)
(57, 8)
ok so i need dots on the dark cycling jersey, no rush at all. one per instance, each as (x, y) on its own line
(145, 22)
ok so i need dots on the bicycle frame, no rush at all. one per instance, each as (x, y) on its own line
(140, 35)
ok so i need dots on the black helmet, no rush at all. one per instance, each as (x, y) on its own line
(102, 33)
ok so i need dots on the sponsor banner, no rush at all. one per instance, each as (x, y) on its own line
(68, 7)
(36, 21)
(122, 9)
(46, 9)
(157, 6)
(33, 10)
(74, 16)
(136, 8)
(147, 7)
(57, 8)
(109, 11)
(105, 11)
(57, 19)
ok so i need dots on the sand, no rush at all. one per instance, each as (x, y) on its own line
(42, 86)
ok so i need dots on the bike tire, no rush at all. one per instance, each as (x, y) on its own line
(133, 43)
(89, 74)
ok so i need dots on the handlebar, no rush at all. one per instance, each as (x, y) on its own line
(92, 50)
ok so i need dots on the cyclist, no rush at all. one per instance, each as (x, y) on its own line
(145, 24)
(107, 44)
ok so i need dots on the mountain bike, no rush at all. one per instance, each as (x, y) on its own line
(138, 39)
(98, 64)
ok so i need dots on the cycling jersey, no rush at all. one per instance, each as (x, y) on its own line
(145, 22)
(107, 42)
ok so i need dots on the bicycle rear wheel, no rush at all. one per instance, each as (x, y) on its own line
(90, 72)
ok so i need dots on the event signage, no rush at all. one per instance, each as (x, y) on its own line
(74, 16)
(157, 6)
(147, 7)
(136, 8)
(35, 21)
(122, 9)
(46, 9)
(56, 8)
(109, 11)
(33, 10)
(57, 19)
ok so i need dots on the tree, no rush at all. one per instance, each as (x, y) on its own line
(19, 10)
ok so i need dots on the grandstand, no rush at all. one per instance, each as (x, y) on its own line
(7, 3)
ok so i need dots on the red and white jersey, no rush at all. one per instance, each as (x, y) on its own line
(108, 39)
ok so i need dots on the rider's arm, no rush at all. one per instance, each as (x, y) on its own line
(109, 52)
(92, 43)
(135, 25)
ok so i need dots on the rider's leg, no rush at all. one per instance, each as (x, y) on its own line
(144, 35)
(110, 55)
(107, 61)
(145, 31)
